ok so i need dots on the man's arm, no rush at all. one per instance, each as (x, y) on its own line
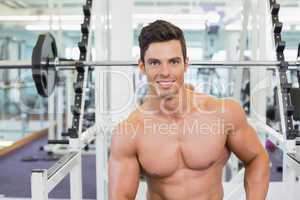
(124, 168)
(244, 143)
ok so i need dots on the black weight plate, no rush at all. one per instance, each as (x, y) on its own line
(44, 76)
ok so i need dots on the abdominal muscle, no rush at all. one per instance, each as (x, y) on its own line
(187, 184)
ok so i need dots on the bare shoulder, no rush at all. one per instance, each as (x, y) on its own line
(224, 105)
(231, 110)
(231, 106)
(124, 134)
(227, 109)
(204, 101)
(128, 126)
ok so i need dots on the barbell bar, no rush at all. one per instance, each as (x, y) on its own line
(207, 64)
(45, 63)
(70, 65)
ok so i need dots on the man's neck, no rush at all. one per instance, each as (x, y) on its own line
(172, 106)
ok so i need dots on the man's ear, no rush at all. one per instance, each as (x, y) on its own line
(186, 63)
(142, 66)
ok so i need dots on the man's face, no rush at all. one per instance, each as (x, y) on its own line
(164, 67)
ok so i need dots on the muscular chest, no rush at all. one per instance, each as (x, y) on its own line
(193, 145)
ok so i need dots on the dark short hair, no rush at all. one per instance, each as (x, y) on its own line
(160, 31)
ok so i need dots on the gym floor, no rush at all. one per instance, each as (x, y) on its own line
(15, 173)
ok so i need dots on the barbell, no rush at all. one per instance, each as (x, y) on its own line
(45, 64)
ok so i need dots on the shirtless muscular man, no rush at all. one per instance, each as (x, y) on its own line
(178, 139)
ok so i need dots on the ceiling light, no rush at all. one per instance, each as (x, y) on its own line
(76, 18)
(55, 27)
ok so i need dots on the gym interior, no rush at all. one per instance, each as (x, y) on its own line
(57, 116)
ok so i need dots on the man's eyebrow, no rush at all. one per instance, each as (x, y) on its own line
(175, 58)
(152, 59)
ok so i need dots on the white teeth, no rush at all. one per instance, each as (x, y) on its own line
(165, 81)
(165, 84)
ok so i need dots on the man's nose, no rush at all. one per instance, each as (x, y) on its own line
(165, 69)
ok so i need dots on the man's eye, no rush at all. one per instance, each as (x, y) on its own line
(174, 62)
(154, 63)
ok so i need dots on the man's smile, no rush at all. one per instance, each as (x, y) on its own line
(165, 83)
